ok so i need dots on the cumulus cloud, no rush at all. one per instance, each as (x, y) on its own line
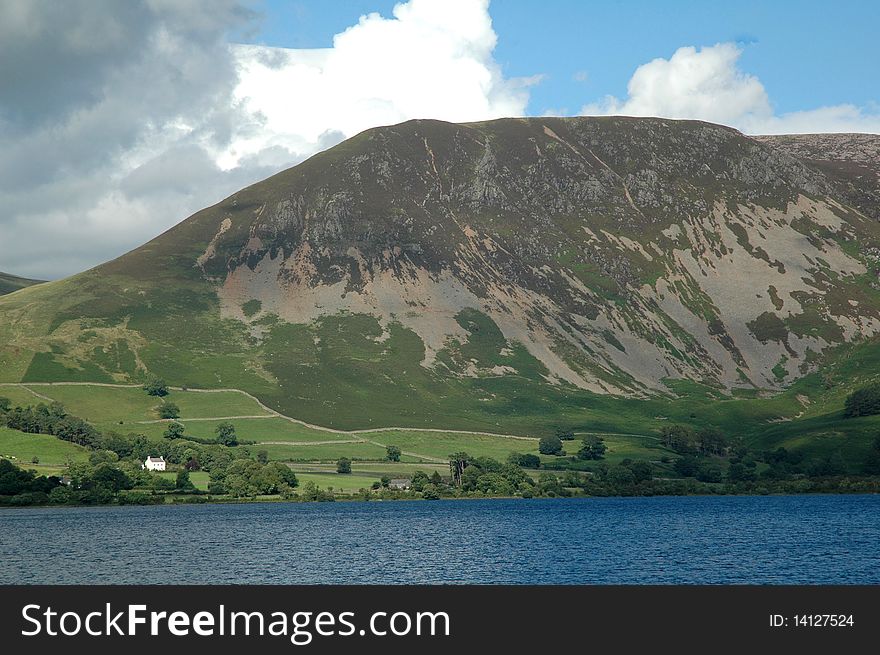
(707, 84)
(94, 91)
(118, 119)
(430, 60)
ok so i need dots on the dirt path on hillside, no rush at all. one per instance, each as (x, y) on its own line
(272, 413)
(329, 442)
(205, 418)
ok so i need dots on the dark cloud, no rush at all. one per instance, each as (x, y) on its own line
(119, 118)
(108, 114)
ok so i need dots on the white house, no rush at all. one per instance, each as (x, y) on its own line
(154, 463)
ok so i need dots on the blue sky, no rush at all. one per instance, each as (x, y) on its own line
(121, 118)
(806, 53)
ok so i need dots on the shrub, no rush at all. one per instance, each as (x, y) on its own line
(226, 434)
(156, 387)
(174, 431)
(592, 448)
(565, 434)
(550, 446)
(863, 402)
(169, 410)
(687, 466)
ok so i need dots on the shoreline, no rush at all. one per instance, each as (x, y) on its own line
(269, 501)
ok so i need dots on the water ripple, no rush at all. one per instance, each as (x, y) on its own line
(708, 540)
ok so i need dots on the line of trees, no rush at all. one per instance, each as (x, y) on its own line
(50, 419)
(114, 473)
(687, 441)
(862, 402)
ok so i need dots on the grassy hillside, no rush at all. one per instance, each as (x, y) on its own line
(52, 454)
(10, 283)
(808, 419)
(610, 276)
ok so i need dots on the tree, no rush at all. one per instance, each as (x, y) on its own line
(169, 410)
(565, 434)
(549, 485)
(102, 457)
(686, 466)
(863, 402)
(711, 441)
(175, 431)
(263, 456)
(642, 470)
(226, 434)
(458, 462)
(525, 460)
(419, 480)
(679, 438)
(710, 472)
(739, 472)
(183, 483)
(871, 465)
(156, 387)
(834, 464)
(550, 446)
(343, 465)
(620, 477)
(592, 448)
(110, 478)
(392, 453)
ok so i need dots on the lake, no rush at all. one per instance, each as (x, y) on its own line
(712, 540)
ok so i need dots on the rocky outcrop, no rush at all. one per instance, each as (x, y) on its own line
(620, 252)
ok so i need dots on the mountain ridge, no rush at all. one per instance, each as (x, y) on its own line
(10, 283)
(614, 256)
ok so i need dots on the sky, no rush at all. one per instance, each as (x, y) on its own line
(119, 119)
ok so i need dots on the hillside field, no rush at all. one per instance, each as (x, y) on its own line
(807, 418)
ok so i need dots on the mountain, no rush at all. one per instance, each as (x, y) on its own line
(10, 283)
(509, 273)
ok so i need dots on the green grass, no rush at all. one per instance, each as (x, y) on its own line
(131, 404)
(621, 447)
(47, 367)
(396, 469)
(10, 283)
(152, 312)
(258, 430)
(200, 479)
(324, 452)
(806, 417)
(19, 395)
(221, 403)
(102, 405)
(346, 483)
(442, 444)
(20, 448)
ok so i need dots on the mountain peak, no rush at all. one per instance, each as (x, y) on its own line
(614, 255)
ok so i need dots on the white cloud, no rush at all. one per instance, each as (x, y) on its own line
(117, 120)
(431, 60)
(707, 84)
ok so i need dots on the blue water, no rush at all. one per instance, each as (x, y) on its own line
(772, 540)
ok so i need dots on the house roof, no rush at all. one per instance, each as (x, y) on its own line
(155, 459)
